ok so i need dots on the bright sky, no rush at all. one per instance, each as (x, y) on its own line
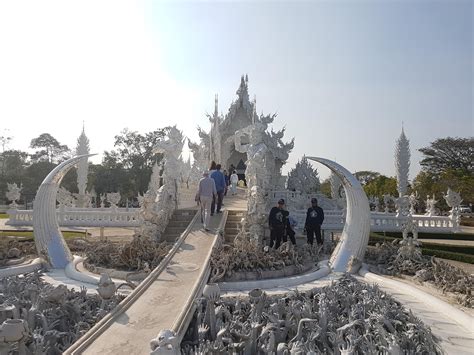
(342, 75)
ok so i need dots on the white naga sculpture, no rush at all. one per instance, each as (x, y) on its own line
(49, 240)
(349, 253)
(13, 194)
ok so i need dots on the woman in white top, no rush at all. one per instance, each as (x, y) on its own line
(234, 179)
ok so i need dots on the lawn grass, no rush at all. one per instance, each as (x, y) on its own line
(444, 251)
(29, 234)
(456, 236)
(3, 216)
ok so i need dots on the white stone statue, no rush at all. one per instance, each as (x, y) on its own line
(256, 151)
(13, 194)
(65, 198)
(413, 198)
(387, 199)
(431, 206)
(453, 199)
(165, 343)
(159, 204)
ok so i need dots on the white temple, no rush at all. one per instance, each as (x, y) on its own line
(230, 136)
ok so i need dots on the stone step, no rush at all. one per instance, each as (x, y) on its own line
(171, 237)
(234, 218)
(187, 218)
(181, 224)
(174, 230)
(232, 224)
(231, 231)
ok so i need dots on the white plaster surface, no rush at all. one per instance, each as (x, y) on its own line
(451, 325)
(162, 299)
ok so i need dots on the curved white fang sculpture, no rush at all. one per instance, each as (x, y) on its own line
(349, 253)
(49, 240)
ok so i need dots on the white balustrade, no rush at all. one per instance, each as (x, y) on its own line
(380, 222)
(82, 217)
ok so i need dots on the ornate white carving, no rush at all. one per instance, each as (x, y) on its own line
(165, 343)
(13, 194)
(158, 205)
(303, 177)
(402, 205)
(82, 170)
(113, 198)
(402, 163)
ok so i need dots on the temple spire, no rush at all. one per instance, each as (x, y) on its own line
(216, 105)
(402, 162)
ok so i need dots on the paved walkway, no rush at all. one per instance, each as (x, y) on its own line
(158, 307)
(452, 326)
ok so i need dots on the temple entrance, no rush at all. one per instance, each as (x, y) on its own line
(237, 160)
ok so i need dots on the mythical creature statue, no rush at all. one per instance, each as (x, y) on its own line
(13, 194)
(431, 206)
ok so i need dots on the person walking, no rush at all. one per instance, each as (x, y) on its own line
(219, 179)
(234, 179)
(206, 192)
(227, 181)
(314, 220)
(277, 221)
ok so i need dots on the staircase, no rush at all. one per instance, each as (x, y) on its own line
(232, 225)
(177, 224)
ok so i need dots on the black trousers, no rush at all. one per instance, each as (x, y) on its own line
(291, 234)
(277, 235)
(312, 231)
(220, 197)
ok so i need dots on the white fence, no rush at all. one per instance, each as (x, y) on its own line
(83, 217)
(381, 222)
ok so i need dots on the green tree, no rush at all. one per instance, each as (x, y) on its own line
(449, 154)
(366, 176)
(380, 186)
(325, 188)
(50, 149)
(13, 164)
(134, 153)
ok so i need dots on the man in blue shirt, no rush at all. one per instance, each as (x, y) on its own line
(220, 187)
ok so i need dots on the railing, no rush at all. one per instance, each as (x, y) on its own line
(83, 217)
(380, 222)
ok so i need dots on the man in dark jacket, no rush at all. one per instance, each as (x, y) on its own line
(278, 220)
(219, 179)
(314, 220)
